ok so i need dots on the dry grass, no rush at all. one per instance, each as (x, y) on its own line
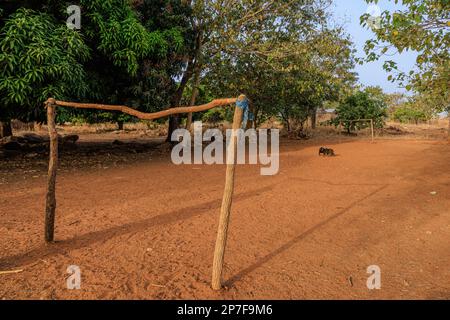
(433, 130)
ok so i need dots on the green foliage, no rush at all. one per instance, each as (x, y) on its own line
(120, 36)
(124, 54)
(422, 27)
(289, 59)
(214, 116)
(39, 59)
(360, 106)
(78, 116)
(408, 113)
(319, 69)
(376, 92)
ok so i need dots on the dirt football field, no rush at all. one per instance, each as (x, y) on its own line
(146, 229)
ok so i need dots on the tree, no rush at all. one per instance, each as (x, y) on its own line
(293, 86)
(429, 22)
(394, 101)
(409, 113)
(360, 106)
(263, 29)
(136, 52)
(122, 55)
(39, 59)
(376, 92)
(422, 27)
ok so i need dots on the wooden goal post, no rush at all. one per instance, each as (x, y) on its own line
(225, 211)
(241, 108)
(372, 126)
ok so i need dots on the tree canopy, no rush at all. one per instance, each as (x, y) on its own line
(288, 57)
(422, 26)
(118, 56)
(362, 105)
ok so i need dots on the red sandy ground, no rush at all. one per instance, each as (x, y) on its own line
(147, 230)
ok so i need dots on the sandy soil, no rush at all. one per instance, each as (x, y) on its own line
(146, 229)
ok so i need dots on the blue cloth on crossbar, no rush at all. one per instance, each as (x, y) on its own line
(247, 116)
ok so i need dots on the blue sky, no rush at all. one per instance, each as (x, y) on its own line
(348, 12)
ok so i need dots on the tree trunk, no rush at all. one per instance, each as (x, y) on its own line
(195, 84)
(255, 118)
(197, 70)
(5, 129)
(120, 125)
(313, 118)
(176, 100)
(173, 125)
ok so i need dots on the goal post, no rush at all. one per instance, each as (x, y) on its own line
(241, 109)
(371, 126)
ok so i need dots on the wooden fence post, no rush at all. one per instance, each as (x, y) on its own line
(222, 232)
(50, 206)
(372, 130)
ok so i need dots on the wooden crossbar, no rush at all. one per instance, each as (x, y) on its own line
(143, 115)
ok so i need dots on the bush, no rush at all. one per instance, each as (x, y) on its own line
(408, 114)
(359, 106)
